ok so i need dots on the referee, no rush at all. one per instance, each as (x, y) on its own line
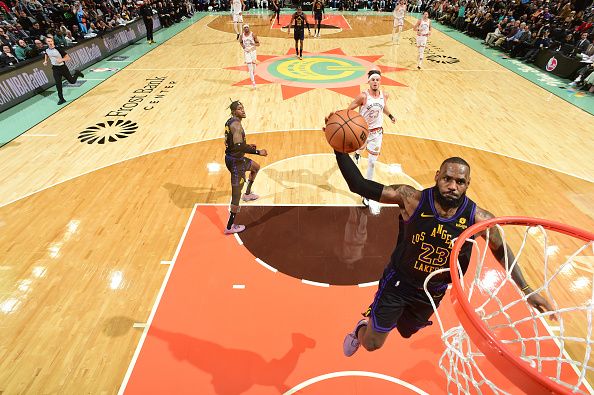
(58, 57)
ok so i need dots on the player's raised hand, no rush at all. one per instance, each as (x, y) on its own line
(263, 152)
(541, 304)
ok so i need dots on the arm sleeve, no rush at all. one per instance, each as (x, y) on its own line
(355, 180)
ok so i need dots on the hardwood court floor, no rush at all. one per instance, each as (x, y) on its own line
(86, 226)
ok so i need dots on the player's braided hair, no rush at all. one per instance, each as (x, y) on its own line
(234, 104)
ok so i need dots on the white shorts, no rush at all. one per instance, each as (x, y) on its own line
(250, 57)
(237, 17)
(374, 141)
(398, 22)
(421, 41)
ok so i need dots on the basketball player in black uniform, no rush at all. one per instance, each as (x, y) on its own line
(299, 34)
(317, 10)
(235, 160)
(275, 7)
(429, 221)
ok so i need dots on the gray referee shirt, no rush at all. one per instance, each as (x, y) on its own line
(54, 54)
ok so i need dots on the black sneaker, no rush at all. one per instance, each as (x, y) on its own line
(237, 38)
(79, 73)
(357, 156)
(62, 101)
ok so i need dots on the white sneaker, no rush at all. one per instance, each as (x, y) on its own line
(249, 197)
(351, 344)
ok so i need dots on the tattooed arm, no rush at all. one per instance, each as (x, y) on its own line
(405, 196)
(505, 257)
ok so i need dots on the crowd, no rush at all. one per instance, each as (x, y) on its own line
(518, 27)
(26, 24)
(523, 28)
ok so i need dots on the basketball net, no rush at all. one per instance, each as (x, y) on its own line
(502, 338)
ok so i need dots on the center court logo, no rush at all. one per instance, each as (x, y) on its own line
(333, 70)
(317, 69)
(108, 132)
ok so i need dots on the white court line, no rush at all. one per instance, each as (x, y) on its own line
(265, 204)
(238, 286)
(315, 283)
(370, 284)
(267, 266)
(417, 184)
(139, 325)
(166, 262)
(92, 79)
(156, 304)
(292, 130)
(178, 69)
(351, 373)
(347, 22)
(239, 241)
(38, 135)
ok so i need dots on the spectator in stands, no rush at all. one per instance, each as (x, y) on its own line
(70, 41)
(59, 39)
(509, 32)
(541, 42)
(498, 33)
(5, 38)
(76, 34)
(20, 51)
(7, 58)
(21, 33)
(81, 18)
(522, 35)
(36, 31)
(582, 44)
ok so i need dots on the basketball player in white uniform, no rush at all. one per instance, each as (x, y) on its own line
(249, 42)
(237, 7)
(399, 12)
(423, 29)
(372, 107)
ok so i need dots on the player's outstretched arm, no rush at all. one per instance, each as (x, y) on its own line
(403, 195)
(504, 255)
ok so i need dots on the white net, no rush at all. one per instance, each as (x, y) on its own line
(560, 268)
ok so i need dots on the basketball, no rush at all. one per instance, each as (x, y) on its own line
(346, 131)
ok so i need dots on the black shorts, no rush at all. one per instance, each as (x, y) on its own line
(318, 16)
(299, 34)
(401, 305)
(237, 167)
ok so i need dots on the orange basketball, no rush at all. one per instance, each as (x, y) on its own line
(346, 131)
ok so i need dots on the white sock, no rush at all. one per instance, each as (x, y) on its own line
(251, 69)
(371, 159)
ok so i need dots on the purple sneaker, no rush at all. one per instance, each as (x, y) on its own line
(351, 344)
